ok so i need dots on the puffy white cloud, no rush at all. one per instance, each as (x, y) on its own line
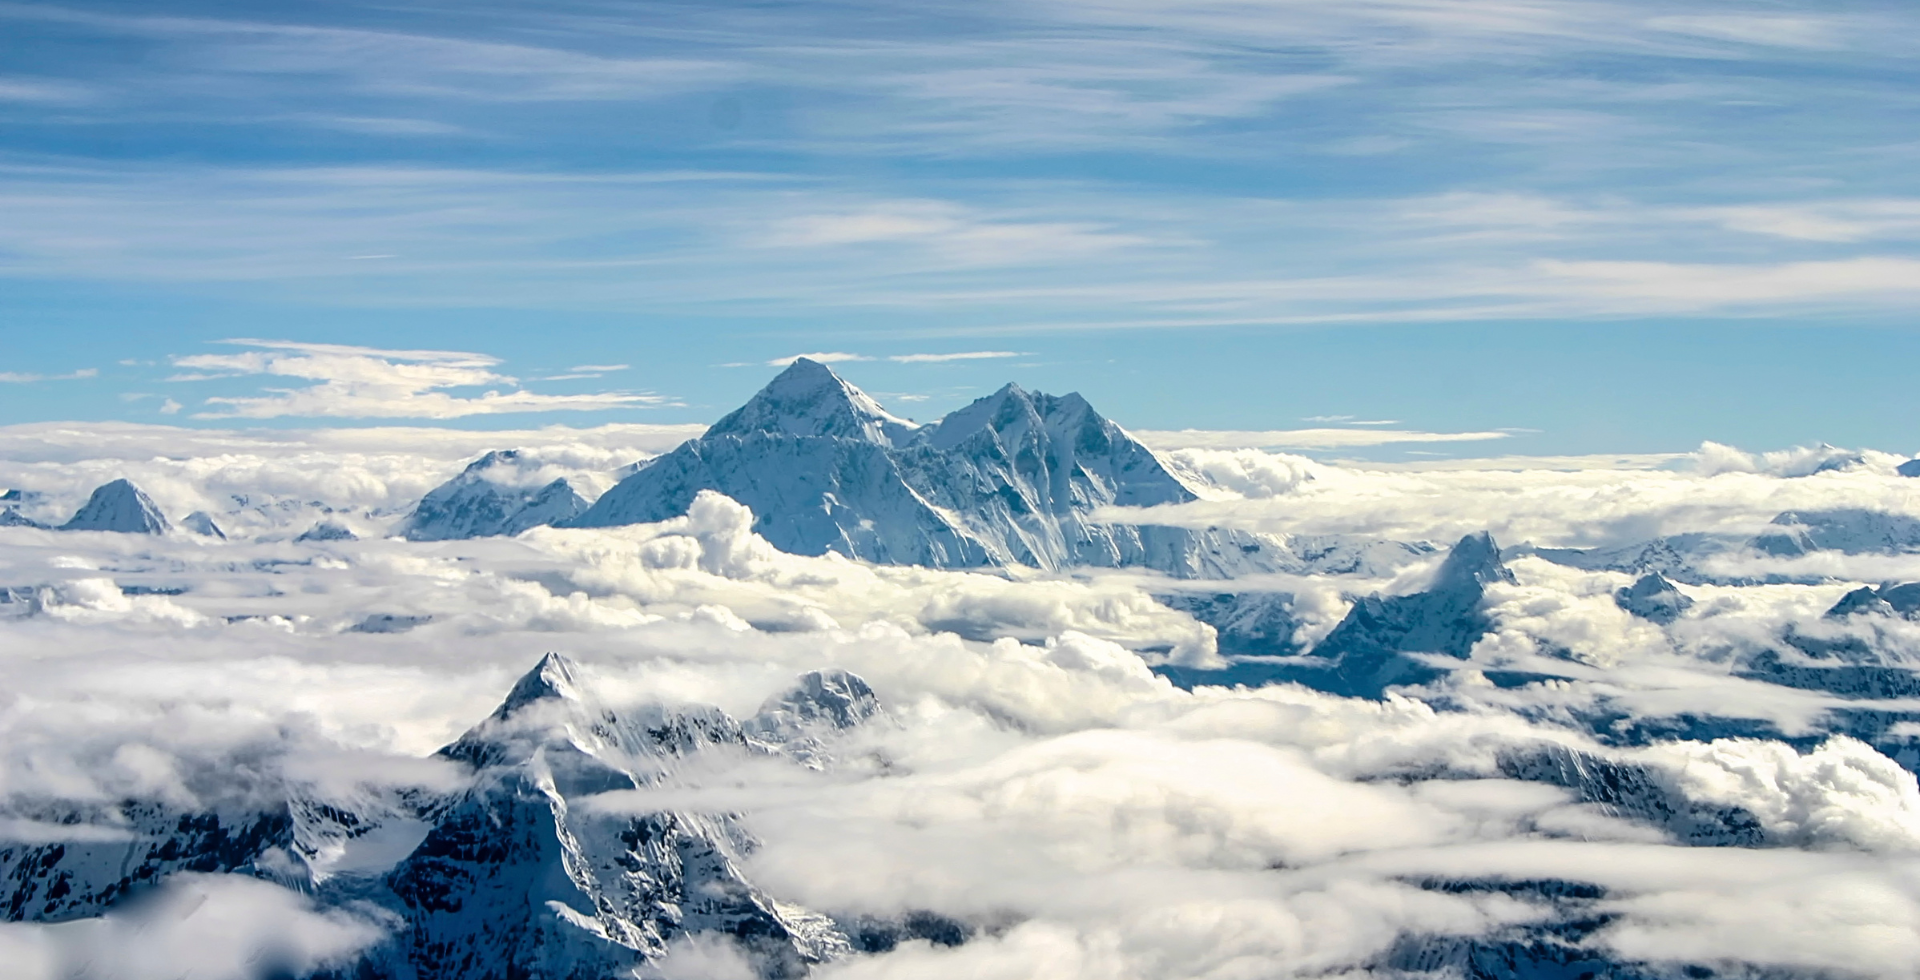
(223, 927)
(257, 481)
(1033, 777)
(1716, 490)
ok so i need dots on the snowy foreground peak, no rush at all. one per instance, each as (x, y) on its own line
(119, 506)
(516, 873)
(1012, 479)
(809, 399)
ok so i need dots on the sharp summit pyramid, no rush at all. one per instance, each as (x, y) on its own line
(1012, 479)
(808, 399)
(119, 506)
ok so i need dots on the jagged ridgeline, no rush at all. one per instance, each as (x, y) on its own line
(514, 874)
(1016, 478)
(1013, 478)
(546, 859)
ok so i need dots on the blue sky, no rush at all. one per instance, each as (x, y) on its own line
(1590, 226)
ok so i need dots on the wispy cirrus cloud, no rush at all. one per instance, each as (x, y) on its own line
(18, 377)
(1303, 438)
(365, 382)
(949, 231)
(970, 355)
(580, 371)
(1349, 420)
(839, 357)
(824, 357)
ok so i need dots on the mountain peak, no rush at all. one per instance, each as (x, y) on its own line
(480, 502)
(493, 458)
(809, 399)
(552, 679)
(119, 506)
(991, 412)
(1473, 562)
(1653, 598)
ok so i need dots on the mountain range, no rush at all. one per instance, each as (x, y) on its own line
(1013, 479)
(513, 875)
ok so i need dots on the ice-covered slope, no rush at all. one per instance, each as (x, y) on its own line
(1367, 651)
(119, 506)
(808, 399)
(11, 517)
(1375, 647)
(484, 501)
(1691, 557)
(516, 874)
(61, 861)
(1850, 530)
(1654, 599)
(518, 878)
(1013, 479)
(1023, 473)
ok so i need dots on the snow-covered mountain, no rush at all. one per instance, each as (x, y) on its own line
(327, 531)
(1850, 530)
(1373, 647)
(511, 876)
(515, 877)
(1690, 557)
(1654, 599)
(119, 506)
(1367, 652)
(483, 500)
(202, 523)
(1012, 479)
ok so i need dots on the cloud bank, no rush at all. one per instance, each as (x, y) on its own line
(1034, 779)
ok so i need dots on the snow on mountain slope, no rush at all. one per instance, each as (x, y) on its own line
(519, 873)
(1023, 472)
(1567, 766)
(60, 862)
(119, 506)
(1849, 530)
(1651, 597)
(809, 495)
(520, 876)
(1011, 479)
(809, 399)
(1702, 558)
(484, 501)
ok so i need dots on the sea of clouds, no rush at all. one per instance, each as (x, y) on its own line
(1041, 781)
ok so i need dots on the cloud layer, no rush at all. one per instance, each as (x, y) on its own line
(1033, 779)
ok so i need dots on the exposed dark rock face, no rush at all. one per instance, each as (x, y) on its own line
(111, 853)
